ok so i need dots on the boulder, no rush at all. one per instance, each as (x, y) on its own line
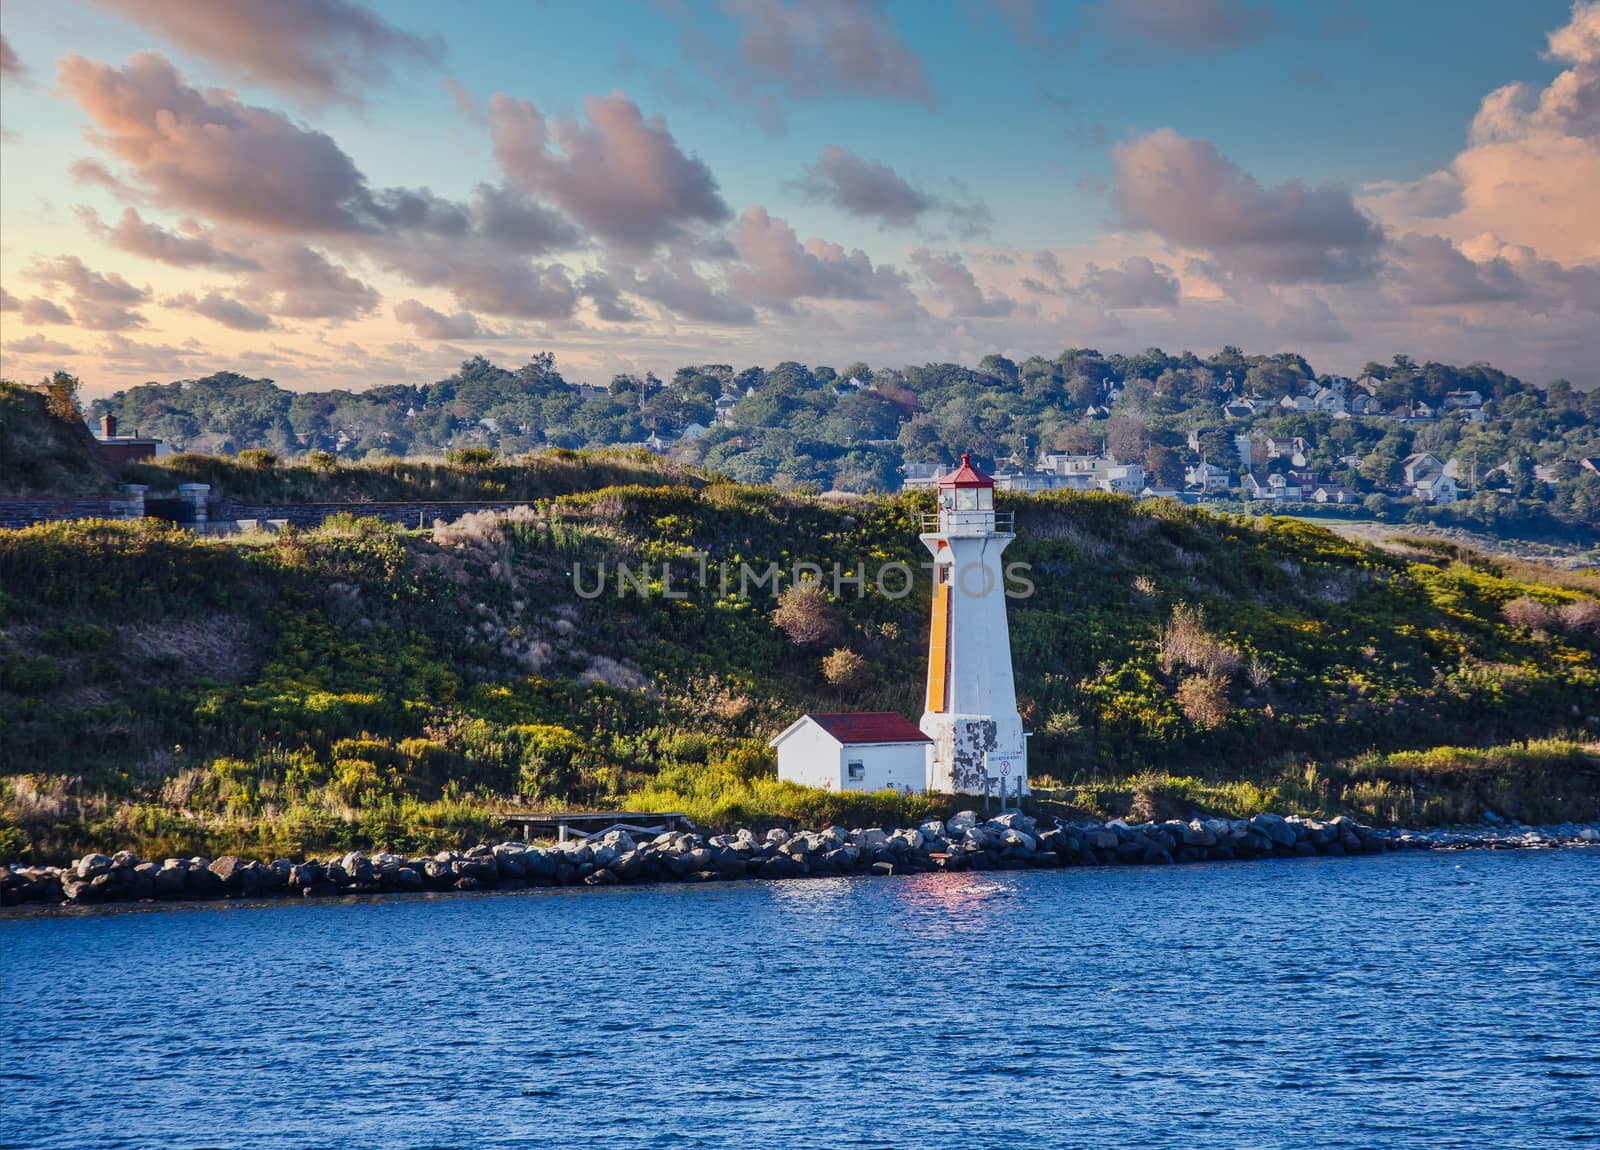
(1197, 834)
(169, 881)
(1014, 839)
(961, 822)
(407, 878)
(1275, 827)
(870, 837)
(358, 866)
(778, 866)
(90, 865)
(227, 868)
(1013, 820)
(124, 858)
(619, 841)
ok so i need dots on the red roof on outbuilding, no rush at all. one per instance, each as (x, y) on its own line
(966, 476)
(870, 727)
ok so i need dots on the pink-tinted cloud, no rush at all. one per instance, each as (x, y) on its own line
(220, 309)
(1187, 193)
(209, 153)
(191, 247)
(428, 323)
(10, 65)
(778, 269)
(1184, 25)
(300, 282)
(957, 288)
(1138, 282)
(1530, 174)
(807, 50)
(623, 176)
(865, 188)
(35, 311)
(102, 302)
(317, 51)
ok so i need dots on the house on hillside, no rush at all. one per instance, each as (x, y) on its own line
(1458, 400)
(1365, 403)
(1440, 489)
(119, 451)
(1421, 467)
(856, 751)
(1328, 401)
(1241, 407)
(919, 476)
(1277, 488)
(1332, 493)
(1302, 404)
(1208, 477)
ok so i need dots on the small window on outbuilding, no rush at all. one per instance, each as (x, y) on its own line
(856, 770)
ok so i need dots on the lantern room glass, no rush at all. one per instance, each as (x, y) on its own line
(966, 499)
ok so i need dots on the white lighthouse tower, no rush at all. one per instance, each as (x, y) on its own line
(978, 744)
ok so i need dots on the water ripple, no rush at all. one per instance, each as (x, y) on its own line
(1406, 1001)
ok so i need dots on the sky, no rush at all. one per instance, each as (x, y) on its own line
(336, 194)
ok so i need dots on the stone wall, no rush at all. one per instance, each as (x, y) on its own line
(406, 514)
(22, 512)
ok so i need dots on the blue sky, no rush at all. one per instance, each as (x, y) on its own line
(1316, 138)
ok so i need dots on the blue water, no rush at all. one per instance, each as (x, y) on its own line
(1411, 1000)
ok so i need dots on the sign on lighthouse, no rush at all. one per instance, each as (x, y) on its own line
(978, 743)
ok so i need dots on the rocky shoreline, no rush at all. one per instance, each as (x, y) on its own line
(966, 842)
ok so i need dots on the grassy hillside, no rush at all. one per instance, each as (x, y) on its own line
(262, 478)
(360, 685)
(40, 455)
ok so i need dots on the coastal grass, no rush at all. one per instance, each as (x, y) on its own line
(356, 684)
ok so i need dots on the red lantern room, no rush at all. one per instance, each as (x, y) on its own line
(966, 489)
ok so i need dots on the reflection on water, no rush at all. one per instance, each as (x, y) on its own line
(1337, 1002)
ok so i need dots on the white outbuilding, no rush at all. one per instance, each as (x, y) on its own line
(855, 751)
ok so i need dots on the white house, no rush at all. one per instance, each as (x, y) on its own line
(1421, 467)
(1437, 489)
(1328, 401)
(1208, 477)
(857, 751)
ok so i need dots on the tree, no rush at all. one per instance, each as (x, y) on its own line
(844, 668)
(63, 397)
(1163, 466)
(805, 614)
(857, 370)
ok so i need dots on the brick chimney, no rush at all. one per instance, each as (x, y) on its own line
(108, 426)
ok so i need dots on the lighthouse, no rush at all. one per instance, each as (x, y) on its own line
(977, 742)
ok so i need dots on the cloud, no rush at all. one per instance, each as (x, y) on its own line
(210, 153)
(196, 248)
(1187, 193)
(864, 188)
(600, 290)
(302, 283)
(511, 221)
(1431, 272)
(36, 311)
(870, 189)
(10, 66)
(38, 344)
(1186, 26)
(623, 176)
(676, 285)
(778, 269)
(426, 323)
(316, 51)
(219, 308)
(100, 302)
(1530, 174)
(807, 50)
(954, 285)
(1137, 283)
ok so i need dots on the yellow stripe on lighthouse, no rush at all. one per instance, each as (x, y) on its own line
(939, 647)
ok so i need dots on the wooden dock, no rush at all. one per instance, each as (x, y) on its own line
(567, 825)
